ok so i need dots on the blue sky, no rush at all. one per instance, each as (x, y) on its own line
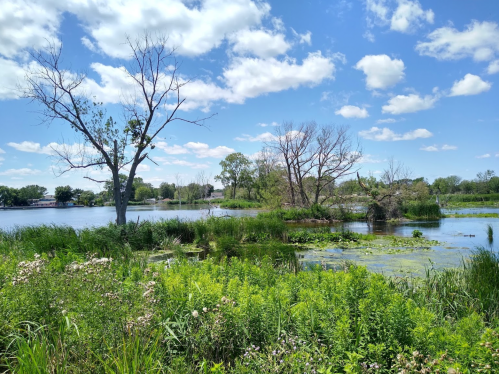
(414, 80)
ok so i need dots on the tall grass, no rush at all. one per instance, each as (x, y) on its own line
(318, 212)
(490, 232)
(240, 204)
(464, 198)
(421, 210)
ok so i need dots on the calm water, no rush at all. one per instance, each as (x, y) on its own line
(100, 216)
(453, 233)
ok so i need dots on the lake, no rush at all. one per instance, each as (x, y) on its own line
(453, 233)
(100, 216)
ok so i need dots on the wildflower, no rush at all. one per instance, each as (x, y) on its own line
(205, 309)
(64, 312)
(195, 314)
(37, 256)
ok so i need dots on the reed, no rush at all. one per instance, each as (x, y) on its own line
(490, 232)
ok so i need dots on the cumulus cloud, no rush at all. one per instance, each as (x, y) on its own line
(303, 38)
(434, 148)
(250, 77)
(27, 24)
(142, 168)
(265, 137)
(388, 120)
(202, 150)
(430, 148)
(194, 28)
(11, 74)
(262, 43)
(381, 71)
(409, 104)
(52, 148)
(493, 67)
(486, 155)
(167, 161)
(409, 15)
(244, 78)
(385, 134)
(480, 41)
(172, 150)
(273, 124)
(351, 111)
(405, 17)
(469, 85)
(23, 171)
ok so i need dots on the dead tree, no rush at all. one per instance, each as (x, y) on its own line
(154, 103)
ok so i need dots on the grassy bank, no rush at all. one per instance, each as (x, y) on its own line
(67, 309)
(240, 204)
(316, 212)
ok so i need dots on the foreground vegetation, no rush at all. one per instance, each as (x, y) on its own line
(88, 301)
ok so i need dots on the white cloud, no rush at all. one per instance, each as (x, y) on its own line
(273, 124)
(194, 28)
(469, 85)
(379, 10)
(409, 104)
(172, 150)
(202, 150)
(27, 24)
(265, 137)
(369, 159)
(493, 67)
(381, 71)
(430, 148)
(1, 151)
(167, 161)
(410, 15)
(1, 160)
(251, 77)
(51, 148)
(388, 120)
(487, 155)
(11, 74)
(480, 40)
(88, 43)
(434, 148)
(303, 38)
(244, 78)
(23, 171)
(385, 134)
(142, 168)
(262, 43)
(351, 111)
(369, 36)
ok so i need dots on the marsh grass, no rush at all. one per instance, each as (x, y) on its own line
(416, 210)
(240, 204)
(490, 232)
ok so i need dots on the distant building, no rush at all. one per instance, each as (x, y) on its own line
(46, 201)
(217, 195)
(151, 201)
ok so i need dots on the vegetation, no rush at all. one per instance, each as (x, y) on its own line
(239, 204)
(315, 212)
(84, 301)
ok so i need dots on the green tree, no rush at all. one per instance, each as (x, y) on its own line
(32, 192)
(167, 190)
(87, 197)
(142, 193)
(8, 196)
(63, 194)
(152, 71)
(234, 166)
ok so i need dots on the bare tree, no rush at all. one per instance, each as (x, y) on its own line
(335, 156)
(315, 157)
(153, 72)
(282, 145)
